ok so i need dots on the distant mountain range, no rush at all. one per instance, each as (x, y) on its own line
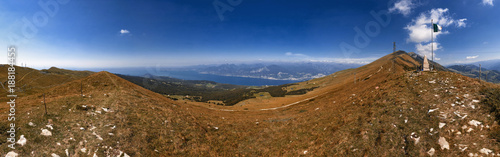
(276, 71)
(377, 112)
(489, 64)
(490, 69)
(472, 71)
(292, 71)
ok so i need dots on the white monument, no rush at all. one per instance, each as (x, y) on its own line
(426, 64)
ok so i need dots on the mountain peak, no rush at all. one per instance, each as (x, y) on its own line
(399, 60)
(399, 52)
(373, 110)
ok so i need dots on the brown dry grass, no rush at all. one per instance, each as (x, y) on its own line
(366, 118)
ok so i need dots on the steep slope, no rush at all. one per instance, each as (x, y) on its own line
(404, 113)
(373, 72)
(29, 81)
(388, 111)
(114, 115)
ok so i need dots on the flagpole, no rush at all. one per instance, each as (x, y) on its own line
(432, 41)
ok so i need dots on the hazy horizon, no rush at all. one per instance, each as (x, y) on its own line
(90, 34)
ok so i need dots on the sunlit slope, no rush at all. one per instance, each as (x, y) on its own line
(388, 111)
(29, 81)
(377, 71)
(384, 109)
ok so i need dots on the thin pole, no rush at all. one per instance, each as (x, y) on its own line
(432, 41)
(44, 104)
(479, 72)
(354, 77)
(394, 49)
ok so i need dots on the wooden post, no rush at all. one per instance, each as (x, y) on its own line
(354, 77)
(432, 43)
(44, 104)
(394, 49)
(479, 72)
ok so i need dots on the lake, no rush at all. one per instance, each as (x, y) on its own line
(193, 75)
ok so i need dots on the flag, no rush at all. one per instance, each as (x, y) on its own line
(437, 28)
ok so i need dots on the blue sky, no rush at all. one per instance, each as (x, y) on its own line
(127, 33)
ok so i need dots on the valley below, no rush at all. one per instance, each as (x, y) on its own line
(385, 108)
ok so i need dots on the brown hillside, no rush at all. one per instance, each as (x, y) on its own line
(30, 81)
(389, 111)
(113, 116)
(365, 76)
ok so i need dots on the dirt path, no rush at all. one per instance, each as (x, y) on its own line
(26, 75)
(274, 108)
(113, 81)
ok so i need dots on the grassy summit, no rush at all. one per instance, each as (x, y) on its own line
(385, 109)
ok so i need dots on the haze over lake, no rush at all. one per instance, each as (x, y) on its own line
(193, 75)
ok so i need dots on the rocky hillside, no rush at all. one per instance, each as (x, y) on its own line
(380, 109)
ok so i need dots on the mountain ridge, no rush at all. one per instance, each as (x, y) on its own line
(380, 109)
(472, 71)
(276, 71)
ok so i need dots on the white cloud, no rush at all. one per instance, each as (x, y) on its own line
(124, 31)
(295, 54)
(488, 2)
(461, 22)
(472, 57)
(345, 60)
(403, 7)
(419, 33)
(303, 57)
(420, 30)
(425, 49)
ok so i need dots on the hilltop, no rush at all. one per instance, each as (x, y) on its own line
(30, 81)
(383, 108)
(112, 116)
(420, 59)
